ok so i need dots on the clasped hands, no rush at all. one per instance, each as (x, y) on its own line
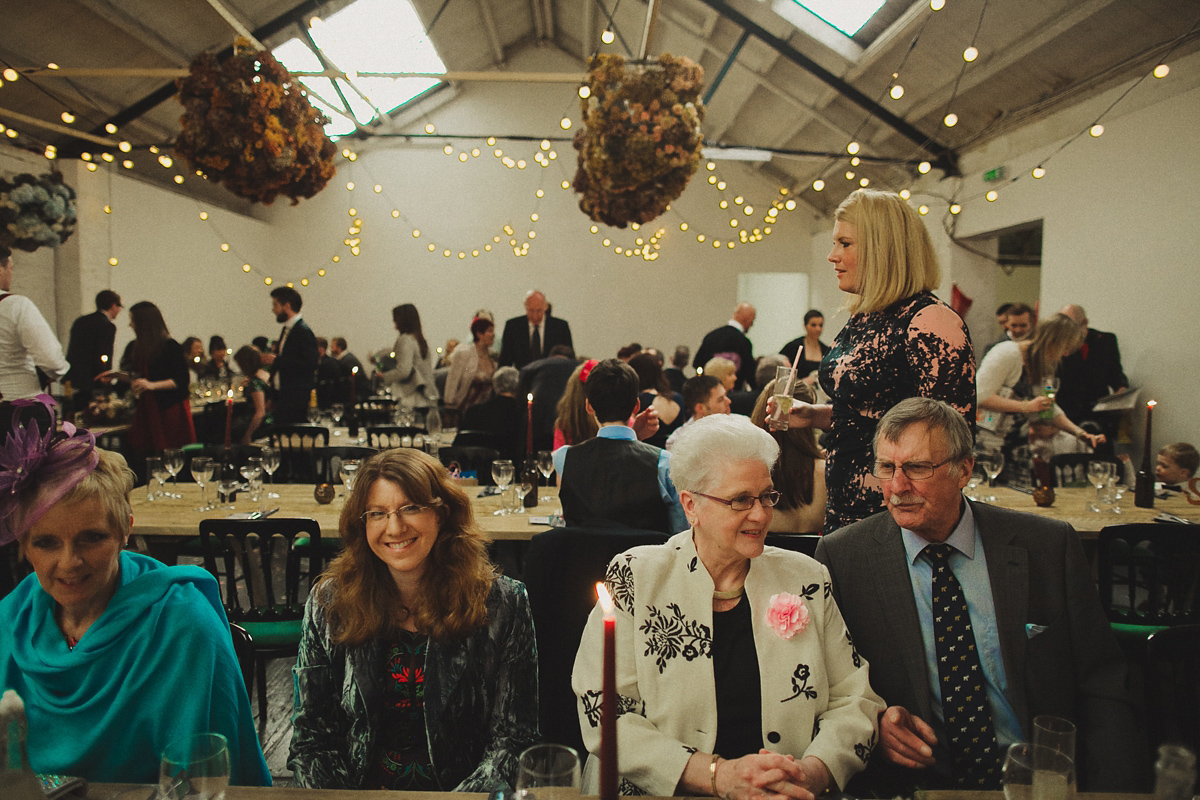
(771, 775)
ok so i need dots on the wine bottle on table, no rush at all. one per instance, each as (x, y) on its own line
(529, 474)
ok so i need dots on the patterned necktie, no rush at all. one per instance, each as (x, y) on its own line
(535, 344)
(973, 749)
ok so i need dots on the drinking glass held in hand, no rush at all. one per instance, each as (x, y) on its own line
(548, 772)
(785, 382)
(196, 768)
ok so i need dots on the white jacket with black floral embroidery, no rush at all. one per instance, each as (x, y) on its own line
(816, 699)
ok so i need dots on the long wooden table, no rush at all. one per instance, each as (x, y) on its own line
(1071, 506)
(161, 521)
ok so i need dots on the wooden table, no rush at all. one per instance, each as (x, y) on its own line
(107, 791)
(162, 522)
(963, 794)
(1071, 506)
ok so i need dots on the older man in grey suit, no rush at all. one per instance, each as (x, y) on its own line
(937, 587)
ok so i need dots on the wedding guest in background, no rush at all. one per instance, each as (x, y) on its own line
(329, 375)
(293, 363)
(530, 337)
(26, 341)
(675, 372)
(799, 474)
(411, 379)
(1176, 464)
(347, 361)
(807, 351)
(193, 351)
(745, 690)
(90, 347)
(546, 379)
(1090, 373)
(471, 368)
(418, 664)
(655, 392)
(731, 338)
(502, 415)
(255, 390)
(218, 360)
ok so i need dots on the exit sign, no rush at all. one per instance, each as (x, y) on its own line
(993, 175)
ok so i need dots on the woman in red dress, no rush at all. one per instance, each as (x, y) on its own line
(158, 372)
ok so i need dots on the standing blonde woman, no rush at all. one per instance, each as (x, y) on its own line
(900, 342)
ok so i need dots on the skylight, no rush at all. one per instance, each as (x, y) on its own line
(365, 36)
(848, 16)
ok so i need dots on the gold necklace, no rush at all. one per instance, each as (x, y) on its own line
(732, 594)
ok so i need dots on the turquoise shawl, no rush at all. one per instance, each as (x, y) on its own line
(156, 666)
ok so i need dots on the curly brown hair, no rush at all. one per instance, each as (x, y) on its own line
(452, 600)
(798, 450)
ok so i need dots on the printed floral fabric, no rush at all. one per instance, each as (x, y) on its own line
(916, 347)
(665, 679)
(403, 763)
(480, 700)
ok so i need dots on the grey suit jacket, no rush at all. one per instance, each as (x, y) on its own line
(1069, 666)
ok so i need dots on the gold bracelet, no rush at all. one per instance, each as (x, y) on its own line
(712, 774)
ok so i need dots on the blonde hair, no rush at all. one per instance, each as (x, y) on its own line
(111, 481)
(573, 420)
(895, 254)
(1051, 341)
(721, 368)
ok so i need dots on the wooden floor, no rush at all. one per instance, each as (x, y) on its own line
(278, 735)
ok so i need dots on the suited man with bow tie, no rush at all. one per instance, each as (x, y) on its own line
(293, 365)
(975, 620)
(532, 336)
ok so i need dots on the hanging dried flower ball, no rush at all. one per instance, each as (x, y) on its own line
(36, 211)
(640, 140)
(247, 125)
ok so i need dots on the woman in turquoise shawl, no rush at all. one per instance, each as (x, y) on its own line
(115, 654)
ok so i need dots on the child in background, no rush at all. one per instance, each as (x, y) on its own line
(1176, 465)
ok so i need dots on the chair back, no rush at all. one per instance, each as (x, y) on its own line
(1070, 469)
(1173, 687)
(1148, 573)
(468, 438)
(562, 568)
(471, 459)
(297, 445)
(258, 567)
(375, 411)
(329, 460)
(243, 648)
(385, 437)
(796, 542)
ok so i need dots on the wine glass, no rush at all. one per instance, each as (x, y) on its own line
(202, 473)
(548, 772)
(336, 411)
(158, 470)
(173, 459)
(270, 463)
(195, 767)
(992, 463)
(1097, 475)
(227, 485)
(545, 465)
(252, 471)
(977, 477)
(522, 488)
(314, 415)
(502, 474)
(1033, 771)
(347, 472)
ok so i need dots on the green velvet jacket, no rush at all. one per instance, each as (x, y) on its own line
(481, 700)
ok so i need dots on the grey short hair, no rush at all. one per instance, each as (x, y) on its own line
(935, 415)
(765, 372)
(704, 445)
(506, 380)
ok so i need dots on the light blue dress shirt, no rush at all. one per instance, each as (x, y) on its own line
(970, 568)
(665, 488)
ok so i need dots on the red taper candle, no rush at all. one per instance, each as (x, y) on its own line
(1146, 453)
(529, 424)
(229, 418)
(608, 701)
(353, 380)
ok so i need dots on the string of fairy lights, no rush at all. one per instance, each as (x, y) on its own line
(744, 227)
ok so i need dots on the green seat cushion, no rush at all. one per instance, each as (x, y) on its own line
(273, 634)
(1131, 632)
(328, 545)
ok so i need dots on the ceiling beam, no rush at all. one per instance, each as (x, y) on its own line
(943, 157)
(119, 18)
(493, 33)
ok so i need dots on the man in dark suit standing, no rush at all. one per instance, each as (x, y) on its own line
(347, 362)
(532, 336)
(90, 347)
(294, 363)
(731, 338)
(1090, 373)
(937, 588)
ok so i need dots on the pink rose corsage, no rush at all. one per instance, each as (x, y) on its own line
(787, 615)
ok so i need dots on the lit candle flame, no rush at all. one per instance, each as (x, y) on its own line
(529, 397)
(606, 601)
(231, 394)
(354, 370)
(104, 359)
(1151, 403)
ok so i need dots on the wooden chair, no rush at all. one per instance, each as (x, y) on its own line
(297, 445)
(329, 460)
(562, 568)
(469, 438)
(385, 437)
(471, 459)
(259, 570)
(1070, 469)
(375, 411)
(1148, 575)
(243, 648)
(1173, 686)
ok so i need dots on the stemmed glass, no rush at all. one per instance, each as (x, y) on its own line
(552, 767)
(196, 767)
(502, 474)
(252, 471)
(336, 411)
(173, 459)
(202, 473)
(314, 415)
(347, 472)
(993, 464)
(270, 463)
(545, 465)
(227, 486)
(1098, 474)
(522, 487)
(158, 470)
(977, 477)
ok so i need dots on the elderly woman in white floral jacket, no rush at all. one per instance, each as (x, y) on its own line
(736, 675)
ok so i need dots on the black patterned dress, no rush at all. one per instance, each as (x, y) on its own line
(403, 753)
(916, 347)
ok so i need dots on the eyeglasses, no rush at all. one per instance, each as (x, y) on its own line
(913, 470)
(377, 519)
(745, 502)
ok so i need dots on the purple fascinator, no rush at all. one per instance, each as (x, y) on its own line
(39, 469)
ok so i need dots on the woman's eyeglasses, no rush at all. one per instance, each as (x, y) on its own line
(745, 502)
(377, 519)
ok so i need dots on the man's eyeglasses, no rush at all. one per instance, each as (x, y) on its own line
(745, 502)
(913, 470)
(377, 519)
